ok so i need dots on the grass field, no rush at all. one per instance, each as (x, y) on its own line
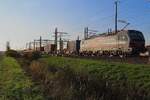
(118, 81)
(136, 73)
(61, 78)
(14, 85)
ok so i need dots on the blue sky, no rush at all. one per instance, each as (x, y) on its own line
(24, 20)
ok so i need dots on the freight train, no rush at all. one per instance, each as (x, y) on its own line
(124, 42)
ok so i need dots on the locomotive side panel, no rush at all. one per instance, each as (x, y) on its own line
(99, 43)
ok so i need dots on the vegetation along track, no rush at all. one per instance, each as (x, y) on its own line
(14, 84)
(64, 78)
(128, 59)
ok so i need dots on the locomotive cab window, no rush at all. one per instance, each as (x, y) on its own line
(136, 36)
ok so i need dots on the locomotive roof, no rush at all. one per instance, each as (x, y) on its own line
(111, 33)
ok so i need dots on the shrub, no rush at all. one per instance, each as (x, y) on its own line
(12, 53)
(80, 79)
(36, 55)
(32, 55)
(96, 80)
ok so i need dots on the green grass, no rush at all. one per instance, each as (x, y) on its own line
(14, 85)
(131, 77)
(110, 70)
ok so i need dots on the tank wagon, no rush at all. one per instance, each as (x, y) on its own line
(130, 42)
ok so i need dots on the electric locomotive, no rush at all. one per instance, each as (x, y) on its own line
(130, 42)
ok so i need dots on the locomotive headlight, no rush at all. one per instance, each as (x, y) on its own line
(123, 37)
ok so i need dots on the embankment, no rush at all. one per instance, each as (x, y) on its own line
(14, 84)
(78, 79)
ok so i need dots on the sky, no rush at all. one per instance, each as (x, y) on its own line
(22, 21)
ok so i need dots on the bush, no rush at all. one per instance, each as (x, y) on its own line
(12, 53)
(32, 55)
(36, 55)
(79, 79)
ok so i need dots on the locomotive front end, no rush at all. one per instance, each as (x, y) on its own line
(137, 41)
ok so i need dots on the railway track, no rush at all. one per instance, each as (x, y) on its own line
(127, 59)
(130, 60)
